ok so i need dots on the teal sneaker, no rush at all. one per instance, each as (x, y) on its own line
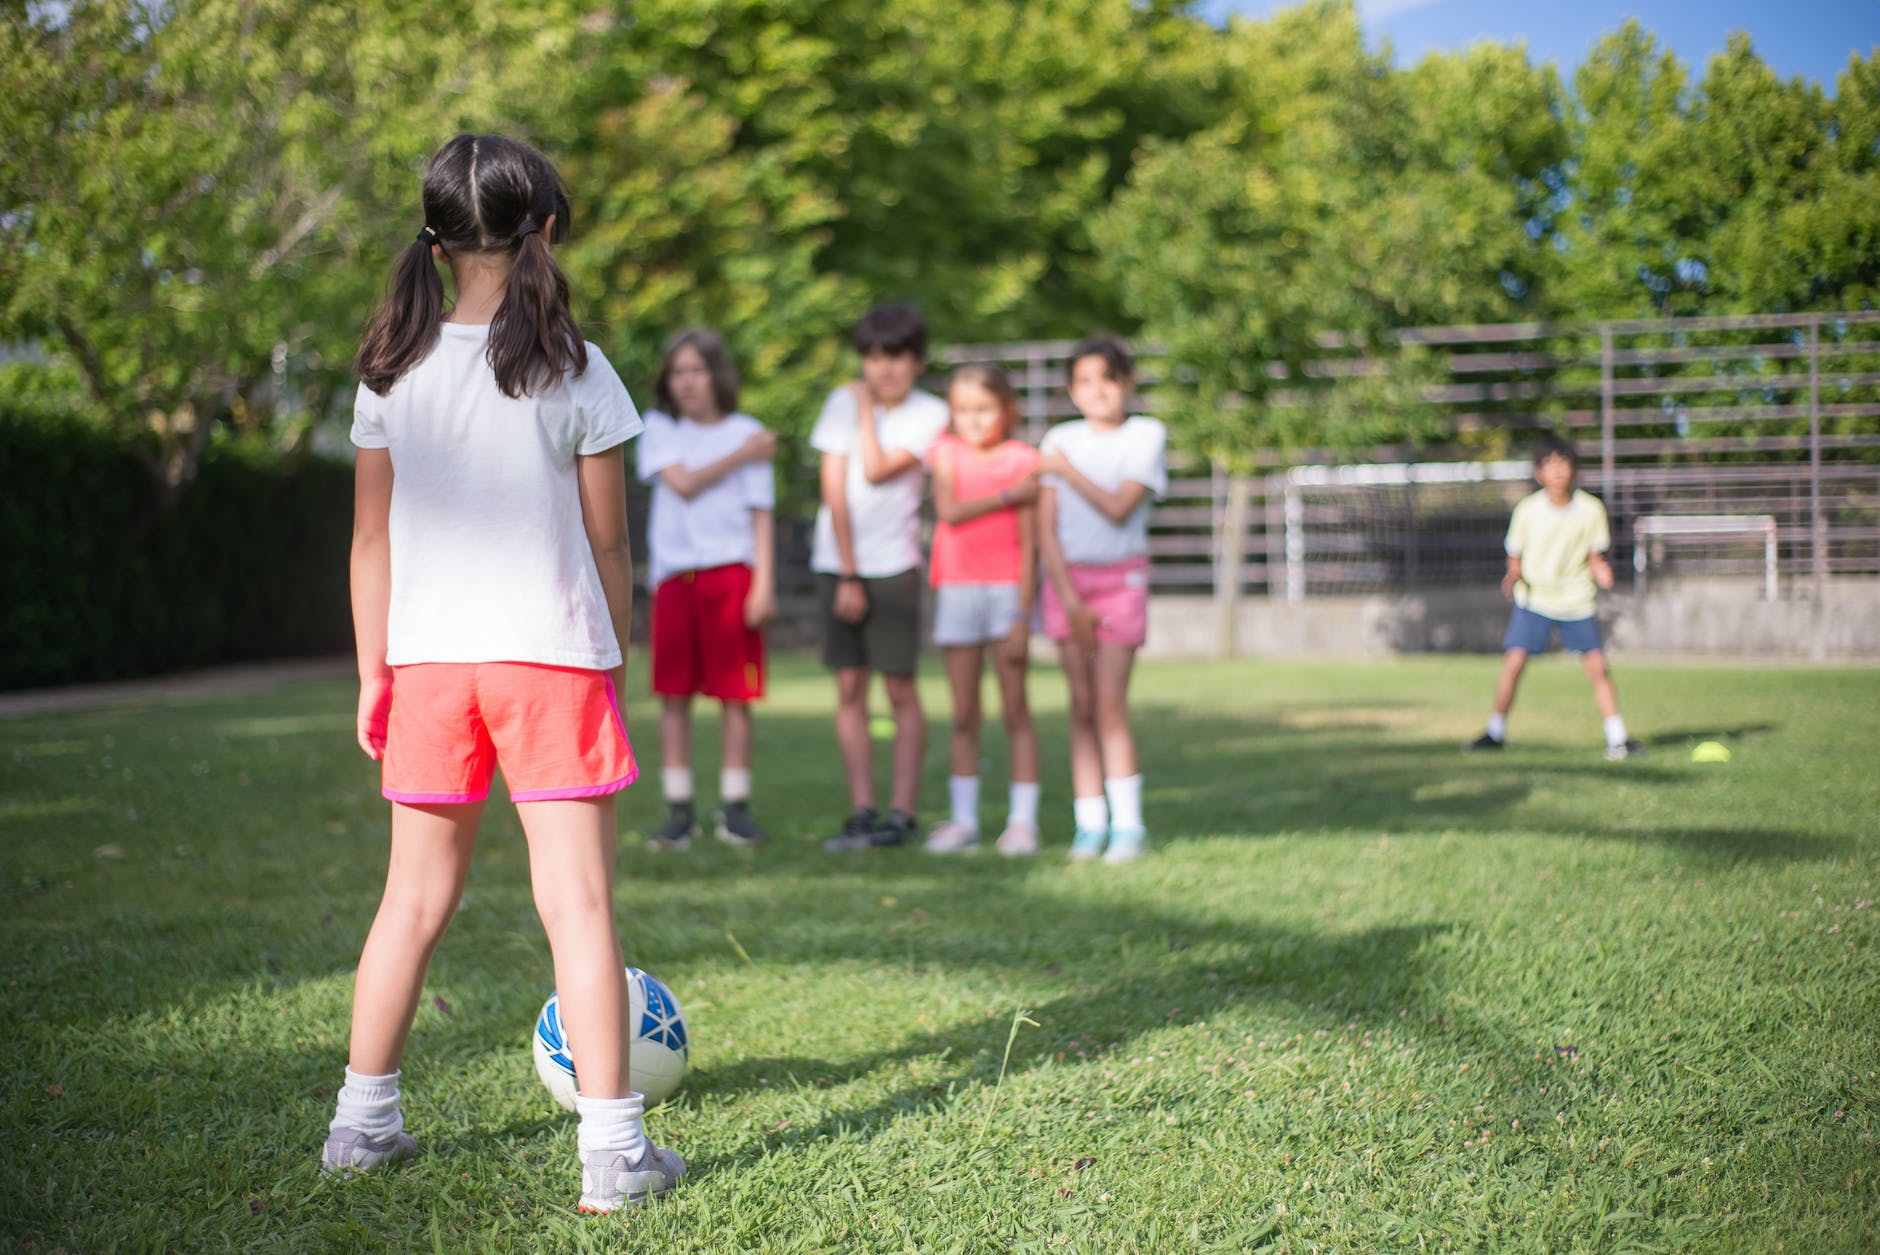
(1087, 845)
(1126, 845)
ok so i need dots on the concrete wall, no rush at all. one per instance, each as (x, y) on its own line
(1716, 617)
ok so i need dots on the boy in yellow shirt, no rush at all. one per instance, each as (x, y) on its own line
(1557, 542)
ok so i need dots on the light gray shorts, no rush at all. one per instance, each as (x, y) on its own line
(973, 614)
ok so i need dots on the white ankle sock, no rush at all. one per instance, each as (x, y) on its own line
(369, 1104)
(1498, 727)
(1092, 814)
(1615, 730)
(677, 783)
(1125, 793)
(734, 784)
(963, 793)
(1023, 811)
(611, 1124)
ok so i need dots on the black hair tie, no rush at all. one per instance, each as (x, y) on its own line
(428, 236)
(528, 228)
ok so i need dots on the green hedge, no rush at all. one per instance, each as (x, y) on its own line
(249, 564)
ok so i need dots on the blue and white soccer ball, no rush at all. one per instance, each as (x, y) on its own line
(656, 1058)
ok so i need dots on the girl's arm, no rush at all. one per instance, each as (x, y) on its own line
(759, 446)
(1018, 638)
(878, 465)
(1058, 571)
(1512, 577)
(951, 510)
(372, 593)
(1114, 506)
(603, 482)
(760, 605)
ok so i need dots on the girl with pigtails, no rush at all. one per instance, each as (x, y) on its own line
(492, 590)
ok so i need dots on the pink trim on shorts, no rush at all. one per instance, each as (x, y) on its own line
(433, 799)
(586, 790)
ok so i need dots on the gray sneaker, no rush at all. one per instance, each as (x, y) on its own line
(678, 830)
(349, 1150)
(736, 827)
(856, 833)
(608, 1183)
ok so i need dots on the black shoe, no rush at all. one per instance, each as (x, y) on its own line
(856, 830)
(736, 827)
(678, 830)
(896, 828)
(1483, 742)
(1631, 749)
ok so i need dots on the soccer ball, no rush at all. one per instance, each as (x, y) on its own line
(656, 1057)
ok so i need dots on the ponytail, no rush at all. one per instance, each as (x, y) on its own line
(534, 341)
(405, 324)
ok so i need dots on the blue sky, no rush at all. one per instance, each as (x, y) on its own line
(1811, 38)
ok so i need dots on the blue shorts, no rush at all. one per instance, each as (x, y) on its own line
(1530, 632)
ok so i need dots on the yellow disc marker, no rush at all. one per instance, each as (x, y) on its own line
(1710, 752)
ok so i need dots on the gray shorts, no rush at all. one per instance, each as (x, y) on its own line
(973, 614)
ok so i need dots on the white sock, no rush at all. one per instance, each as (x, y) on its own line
(369, 1104)
(1498, 727)
(963, 792)
(610, 1125)
(1125, 793)
(1615, 730)
(1024, 806)
(677, 782)
(1092, 814)
(734, 784)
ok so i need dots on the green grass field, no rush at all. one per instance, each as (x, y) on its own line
(1368, 993)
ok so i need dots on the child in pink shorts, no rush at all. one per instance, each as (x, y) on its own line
(1100, 473)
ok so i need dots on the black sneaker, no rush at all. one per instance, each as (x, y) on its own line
(678, 830)
(1631, 749)
(856, 831)
(1483, 742)
(736, 827)
(896, 828)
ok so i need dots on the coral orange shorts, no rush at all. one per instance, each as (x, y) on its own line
(557, 732)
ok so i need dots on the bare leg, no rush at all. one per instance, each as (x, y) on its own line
(739, 733)
(1593, 661)
(675, 732)
(910, 740)
(964, 663)
(858, 755)
(1114, 663)
(431, 847)
(1086, 756)
(1512, 664)
(1020, 732)
(571, 868)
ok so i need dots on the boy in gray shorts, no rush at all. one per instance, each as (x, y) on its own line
(874, 435)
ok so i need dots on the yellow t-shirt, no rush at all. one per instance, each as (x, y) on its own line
(1553, 543)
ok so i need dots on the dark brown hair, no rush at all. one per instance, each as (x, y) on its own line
(1117, 362)
(1554, 446)
(709, 345)
(994, 380)
(893, 328)
(483, 194)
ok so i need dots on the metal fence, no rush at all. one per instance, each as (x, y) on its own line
(1775, 415)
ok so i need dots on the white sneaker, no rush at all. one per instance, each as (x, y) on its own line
(1126, 845)
(349, 1150)
(1019, 840)
(608, 1183)
(952, 838)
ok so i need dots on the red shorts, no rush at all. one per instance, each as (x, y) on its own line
(700, 643)
(557, 731)
(1117, 591)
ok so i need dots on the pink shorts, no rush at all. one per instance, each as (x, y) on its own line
(1117, 591)
(557, 732)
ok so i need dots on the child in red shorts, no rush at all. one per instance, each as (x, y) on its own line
(492, 588)
(709, 540)
(1100, 474)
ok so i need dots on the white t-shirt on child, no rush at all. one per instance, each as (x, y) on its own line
(490, 558)
(714, 527)
(884, 518)
(1134, 450)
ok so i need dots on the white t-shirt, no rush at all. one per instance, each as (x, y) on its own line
(714, 527)
(1135, 450)
(884, 518)
(490, 559)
